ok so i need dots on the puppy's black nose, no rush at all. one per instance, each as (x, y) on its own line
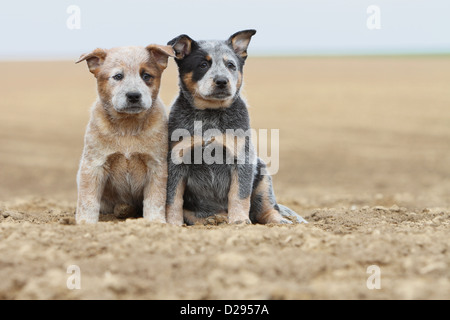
(134, 96)
(221, 81)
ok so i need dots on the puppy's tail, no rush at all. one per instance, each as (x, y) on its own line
(291, 214)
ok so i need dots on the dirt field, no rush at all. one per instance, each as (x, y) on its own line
(364, 157)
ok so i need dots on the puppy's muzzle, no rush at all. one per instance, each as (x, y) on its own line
(221, 88)
(134, 103)
(134, 97)
(221, 82)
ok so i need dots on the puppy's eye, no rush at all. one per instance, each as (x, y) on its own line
(146, 77)
(118, 77)
(231, 66)
(204, 65)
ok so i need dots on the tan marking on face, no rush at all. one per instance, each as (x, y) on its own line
(190, 84)
(154, 83)
(199, 101)
(103, 87)
(239, 80)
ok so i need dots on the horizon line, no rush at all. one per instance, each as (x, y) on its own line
(381, 53)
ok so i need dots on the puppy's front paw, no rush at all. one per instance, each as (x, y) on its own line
(175, 219)
(89, 218)
(239, 220)
(155, 214)
(175, 222)
(273, 217)
(284, 221)
(156, 218)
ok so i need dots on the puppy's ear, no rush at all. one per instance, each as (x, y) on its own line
(240, 41)
(94, 59)
(183, 46)
(160, 54)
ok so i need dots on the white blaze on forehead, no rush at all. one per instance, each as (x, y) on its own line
(218, 50)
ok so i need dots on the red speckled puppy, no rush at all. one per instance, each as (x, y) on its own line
(124, 160)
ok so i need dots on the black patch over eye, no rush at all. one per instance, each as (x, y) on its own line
(192, 62)
(118, 77)
(231, 66)
(146, 76)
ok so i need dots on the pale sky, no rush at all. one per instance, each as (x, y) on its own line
(37, 29)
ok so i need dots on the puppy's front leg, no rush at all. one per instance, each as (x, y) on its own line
(91, 182)
(175, 191)
(155, 195)
(239, 194)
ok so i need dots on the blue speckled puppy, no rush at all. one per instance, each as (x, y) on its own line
(210, 81)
